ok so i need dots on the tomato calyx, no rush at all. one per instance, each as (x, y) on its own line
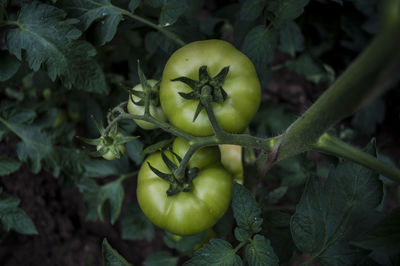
(177, 184)
(110, 145)
(206, 87)
(147, 88)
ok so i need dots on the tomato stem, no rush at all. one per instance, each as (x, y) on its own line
(159, 28)
(332, 145)
(375, 69)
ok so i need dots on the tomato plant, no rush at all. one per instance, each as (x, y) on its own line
(136, 104)
(250, 89)
(185, 212)
(229, 74)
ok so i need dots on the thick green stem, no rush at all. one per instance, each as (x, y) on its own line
(371, 73)
(334, 146)
(206, 101)
(180, 171)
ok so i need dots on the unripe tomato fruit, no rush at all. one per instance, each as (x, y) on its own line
(185, 213)
(155, 111)
(241, 86)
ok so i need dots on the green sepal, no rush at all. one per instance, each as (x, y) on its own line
(200, 107)
(167, 177)
(99, 125)
(89, 141)
(171, 166)
(190, 82)
(124, 139)
(189, 96)
(217, 93)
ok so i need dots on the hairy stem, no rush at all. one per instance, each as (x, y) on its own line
(334, 146)
(369, 76)
(159, 28)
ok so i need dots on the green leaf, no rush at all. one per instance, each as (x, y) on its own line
(259, 252)
(251, 9)
(9, 65)
(293, 171)
(136, 226)
(133, 4)
(331, 214)
(134, 150)
(110, 198)
(103, 202)
(185, 244)
(245, 209)
(16, 114)
(162, 258)
(171, 11)
(276, 194)
(314, 70)
(111, 257)
(100, 14)
(216, 252)
(285, 10)
(385, 235)
(50, 42)
(241, 234)
(291, 39)
(155, 40)
(99, 168)
(8, 165)
(259, 45)
(367, 119)
(14, 218)
(272, 120)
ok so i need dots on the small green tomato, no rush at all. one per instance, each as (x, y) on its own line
(155, 111)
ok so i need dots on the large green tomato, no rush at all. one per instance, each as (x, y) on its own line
(185, 213)
(155, 111)
(241, 86)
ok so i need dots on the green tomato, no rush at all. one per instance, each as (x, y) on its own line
(241, 86)
(155, 111)
(231, 159)
(185, 213)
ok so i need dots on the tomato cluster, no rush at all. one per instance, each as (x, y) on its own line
(192, 203)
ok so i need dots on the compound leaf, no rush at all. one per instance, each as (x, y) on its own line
(329, 215)
(51, 42)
